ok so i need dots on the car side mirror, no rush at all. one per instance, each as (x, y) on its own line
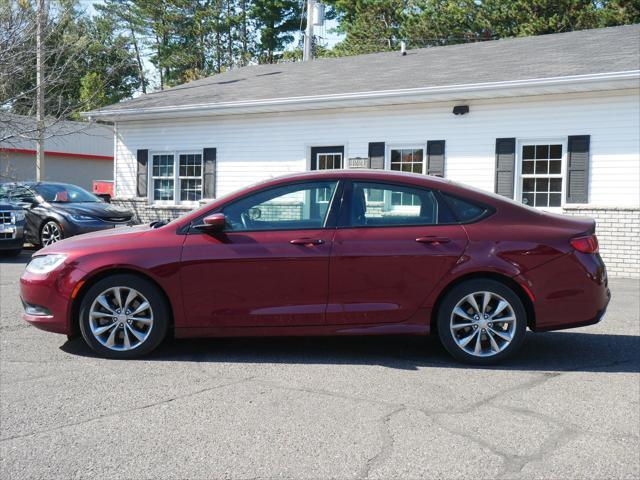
(213, 223)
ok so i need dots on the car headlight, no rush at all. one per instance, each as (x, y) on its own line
(45, 263)
(81, 218)
(17, 216)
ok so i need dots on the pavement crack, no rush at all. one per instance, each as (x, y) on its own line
(128, 411)
(387, 444)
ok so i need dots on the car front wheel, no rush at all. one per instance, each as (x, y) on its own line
(51, 232)
(482, 322)
(123, 316)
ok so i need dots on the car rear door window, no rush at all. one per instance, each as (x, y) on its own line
(290, 207)
(465, 211)
(384, 205)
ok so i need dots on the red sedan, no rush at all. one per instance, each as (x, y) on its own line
(332, 253)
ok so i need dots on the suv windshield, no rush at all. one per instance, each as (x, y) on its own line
(63, 193)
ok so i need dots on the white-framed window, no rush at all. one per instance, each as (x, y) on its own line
(541, 168)
(406, 158)
(176, 177)
(328, 161)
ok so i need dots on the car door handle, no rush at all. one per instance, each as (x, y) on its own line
(306, 241)
(433, 240)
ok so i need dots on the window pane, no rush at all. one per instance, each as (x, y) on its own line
(555, 151)
(190, 165)
(527, 167)
(527, 199)
(528, 152)
(190, 190)
(542, 185)
(555, 166)
(377, 205)
(542, 151)
(542, 166)
(291, 207)
(162, 166)
(555, 185)
(542, 200)
(163, 189)
(528, 185)
(554, 199)
(407, 160)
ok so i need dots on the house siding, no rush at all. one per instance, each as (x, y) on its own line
(259, 146)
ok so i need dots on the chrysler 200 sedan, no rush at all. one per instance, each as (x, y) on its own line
(327, 253)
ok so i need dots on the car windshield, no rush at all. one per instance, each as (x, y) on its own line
(4, 193)
(63, 193)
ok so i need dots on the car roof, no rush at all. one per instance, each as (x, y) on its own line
(368, 174)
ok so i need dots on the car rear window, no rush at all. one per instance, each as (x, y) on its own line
(466, 210)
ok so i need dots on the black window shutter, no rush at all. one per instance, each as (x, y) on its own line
(376, 155)
(435, 158)
(143, 172)
(209, 177)
(578, 169)
(505, 166)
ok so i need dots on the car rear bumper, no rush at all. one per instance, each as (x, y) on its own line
(47, 298)
(571, 291)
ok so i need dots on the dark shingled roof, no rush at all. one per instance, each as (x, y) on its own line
(604, 50)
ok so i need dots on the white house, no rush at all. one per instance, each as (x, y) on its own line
(75, 152)
(552, 121)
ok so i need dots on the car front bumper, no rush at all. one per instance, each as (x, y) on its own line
(11, 236)
(48, 298)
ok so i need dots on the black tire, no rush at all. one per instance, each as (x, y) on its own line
(456, 295)
(51, 224)
(159, 307)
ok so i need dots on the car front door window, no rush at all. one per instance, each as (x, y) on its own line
(291, 207)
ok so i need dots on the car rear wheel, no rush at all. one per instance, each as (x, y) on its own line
(482, 322)
(51, 232)
(123, 316)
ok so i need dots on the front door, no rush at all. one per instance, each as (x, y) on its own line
(392, 246)
(270, 267)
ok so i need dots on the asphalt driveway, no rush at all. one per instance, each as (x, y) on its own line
(567, 407)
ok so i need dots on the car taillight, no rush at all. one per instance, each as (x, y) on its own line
(585, 244)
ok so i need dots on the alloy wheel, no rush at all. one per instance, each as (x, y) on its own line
(121, 318)
(51, 233)
(483, 324)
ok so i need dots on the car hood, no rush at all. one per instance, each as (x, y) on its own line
(93, 209)
(96, 241)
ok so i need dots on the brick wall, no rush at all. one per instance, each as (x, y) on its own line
(618, 231)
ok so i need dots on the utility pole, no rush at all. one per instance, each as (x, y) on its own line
(40, 19)
(307, 53)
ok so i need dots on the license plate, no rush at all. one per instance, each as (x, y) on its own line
(6, 229)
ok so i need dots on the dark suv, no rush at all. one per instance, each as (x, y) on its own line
(59, 210)
(11, 226)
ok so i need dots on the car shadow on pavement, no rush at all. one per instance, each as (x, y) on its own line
(549, 351)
